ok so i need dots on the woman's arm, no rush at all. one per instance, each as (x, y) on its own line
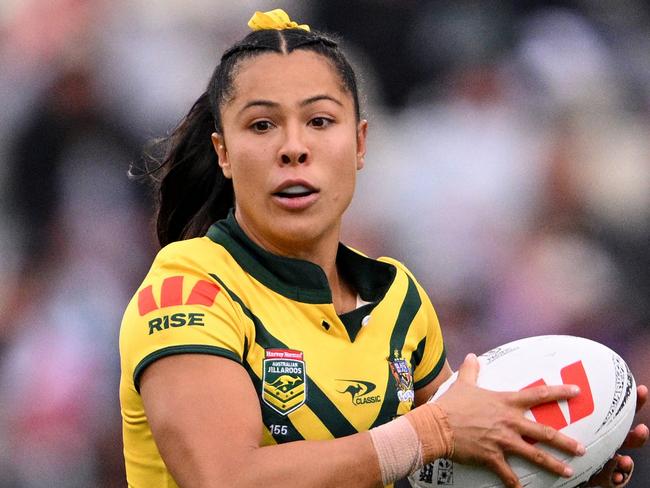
(423, 394)
(205, 417)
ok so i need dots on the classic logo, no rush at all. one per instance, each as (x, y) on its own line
(579, 407)
(360, 391)
(284, 386)
(171, 294)
(401, 371)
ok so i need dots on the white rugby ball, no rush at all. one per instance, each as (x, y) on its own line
(600, 417)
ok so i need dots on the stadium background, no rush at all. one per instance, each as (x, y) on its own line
(509, 168)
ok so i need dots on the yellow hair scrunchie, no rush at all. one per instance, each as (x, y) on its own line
(276, 19)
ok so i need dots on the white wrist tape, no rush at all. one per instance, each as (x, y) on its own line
(398, 449)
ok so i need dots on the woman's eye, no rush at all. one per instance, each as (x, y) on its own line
(320, 122)
(261, 126)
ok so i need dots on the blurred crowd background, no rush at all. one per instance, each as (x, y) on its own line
(508, 167)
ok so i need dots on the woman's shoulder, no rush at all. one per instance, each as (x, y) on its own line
(183, 272)
(190, 254)
(184, 248)
(189, 260)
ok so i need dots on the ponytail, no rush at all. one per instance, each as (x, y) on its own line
(191, 190)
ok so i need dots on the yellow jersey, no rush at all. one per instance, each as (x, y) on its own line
(318, 375)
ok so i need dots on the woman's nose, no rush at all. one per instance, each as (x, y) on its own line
(294, 149)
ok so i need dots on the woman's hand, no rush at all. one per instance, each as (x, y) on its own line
(618, 470)
(489, 425)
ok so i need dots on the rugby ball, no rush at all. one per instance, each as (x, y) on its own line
(600, 417)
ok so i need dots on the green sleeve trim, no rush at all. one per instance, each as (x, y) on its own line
(434, 372)
(184, 349)
(418, 354)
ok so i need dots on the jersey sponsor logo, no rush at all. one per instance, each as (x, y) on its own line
(171, 295)
(401, 372)
(360, 391)
(284, 386)
(175, 320)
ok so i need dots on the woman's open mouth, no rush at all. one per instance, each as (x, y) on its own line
(295, 196)
(295, 191)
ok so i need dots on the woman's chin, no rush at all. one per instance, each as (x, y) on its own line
(303, 235)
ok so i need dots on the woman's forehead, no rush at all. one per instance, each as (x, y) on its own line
(297, 74)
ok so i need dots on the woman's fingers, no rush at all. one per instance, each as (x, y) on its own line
(618, 470)
(516, 445)
(624, 464)
(499, 466)
(623, 471)
(551, 437)
(605, 476)
(540, 457)
(615, 474)
(637, 437)
(538, 395)
(641, 396)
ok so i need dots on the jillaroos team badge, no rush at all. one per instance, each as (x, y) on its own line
(284, 380)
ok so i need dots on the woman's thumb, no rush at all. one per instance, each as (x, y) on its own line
(468, 371)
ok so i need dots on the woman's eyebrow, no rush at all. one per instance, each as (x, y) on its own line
(318, 98)
(259, 103)
(303, 103)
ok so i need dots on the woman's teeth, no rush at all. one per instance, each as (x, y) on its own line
(296, 190)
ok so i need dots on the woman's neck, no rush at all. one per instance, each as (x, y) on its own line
(344, 296)
(321, 252)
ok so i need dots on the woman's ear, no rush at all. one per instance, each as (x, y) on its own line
(222, 154)
(362, 133)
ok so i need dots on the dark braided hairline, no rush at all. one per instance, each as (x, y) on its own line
(252, 46)
(317, 39)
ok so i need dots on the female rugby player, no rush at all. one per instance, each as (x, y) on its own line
(259, 350)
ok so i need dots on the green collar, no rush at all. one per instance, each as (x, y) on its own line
(297, 279)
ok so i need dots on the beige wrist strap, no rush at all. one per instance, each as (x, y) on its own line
(408, 442)
(432, 427)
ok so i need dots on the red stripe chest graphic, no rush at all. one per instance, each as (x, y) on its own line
(171, 294)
